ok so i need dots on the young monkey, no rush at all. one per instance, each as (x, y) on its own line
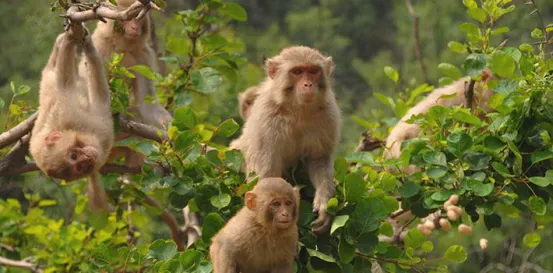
(295, 117)
(73, 133)
(262, 236)
(246, 100)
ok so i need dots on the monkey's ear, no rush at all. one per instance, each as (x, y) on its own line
(329, 65)
(250, 200)
(51, 138)
(272, 68)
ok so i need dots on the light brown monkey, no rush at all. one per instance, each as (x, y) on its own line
(132, 39)
(262, 236)
(295, 117)
(246, 100)
(404, 131)
(73, 133)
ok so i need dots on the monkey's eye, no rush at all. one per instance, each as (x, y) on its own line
(288, 203)
(74, 155)
(275, 204)
(297, 71)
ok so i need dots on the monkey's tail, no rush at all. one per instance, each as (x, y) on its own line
(97, 198)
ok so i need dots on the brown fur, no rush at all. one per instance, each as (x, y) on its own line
(253, 240)
(404, 131)
(74, 117)
(291, 122)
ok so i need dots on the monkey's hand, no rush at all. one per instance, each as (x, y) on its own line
(322, 223)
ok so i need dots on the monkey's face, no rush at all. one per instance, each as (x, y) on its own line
(307, 82)
(282, 211)
(133, 29)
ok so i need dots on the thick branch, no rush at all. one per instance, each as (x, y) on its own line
(418, 48)
(17, 132)
(138, 9)
(176, 233)
(16, 156)
(143, 130)
(20, 264)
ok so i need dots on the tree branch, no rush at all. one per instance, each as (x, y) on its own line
(418, 48)
(177, 233)
(469, 94)
(20, 264)
(17, 132)
(143, 130)
(138, 9)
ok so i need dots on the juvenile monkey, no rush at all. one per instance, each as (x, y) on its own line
(246, 100)
(262, 236)
(73, 133)
(404, 131)
(132, 39)
(295, 117)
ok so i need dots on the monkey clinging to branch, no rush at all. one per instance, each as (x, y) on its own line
(131, 38)
(295, 117)
(263, 236)
(73, 133)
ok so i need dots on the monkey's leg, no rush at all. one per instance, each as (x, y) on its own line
(98, 88)
(55, 51)
(321, 174)
(221, 260)
(66, 62)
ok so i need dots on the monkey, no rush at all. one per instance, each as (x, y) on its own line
(263, 235)
(295, 117)
(132, 38)
(404, 131)
(246, 100)
(73, 133)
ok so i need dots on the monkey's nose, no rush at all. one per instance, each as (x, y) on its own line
(308, 84)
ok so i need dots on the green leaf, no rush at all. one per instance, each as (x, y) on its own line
(367, 214)
(144, 70)
(320, 255)
(414, 239)
(220, 201)
(227, 128)
(470, 4)
(189, 258)
(502, 64)
(526, 48)
(478, 14)
(354, 187)
(458, 143)
(474, 64)
(361, 157)
(541, 156)
(391, 73)
(346, 251)
(470, 28)
(532, 239)
(464, 115)
(436, 172)
(184, 118)
(22, 90)
(409, 190)
(477, 161)
(501, 169)
(47, 203)
(494, 143)
(540, 181)
(338, 222)
(386, 229)
(206, 80)
(367, 242)
(457, 47)
(184, 141)
(513, 52)
(456, 254)
(163, 249)
(211, 225)
(500, 30)
(537, 205)
(427, 247)
(479, 188)
(450, 70)
(537, 33)
(235, 11)
(388, 182)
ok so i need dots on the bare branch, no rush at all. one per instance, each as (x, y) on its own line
(16, 156)
(20, 264)
(469, 94)
(143, 130)
(18, 131)
(138, 9)
(537, 11)
(176, 232)
(418, 48)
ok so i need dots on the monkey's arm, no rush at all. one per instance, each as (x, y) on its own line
(65, 63)
(321, 174)
(221, 260)
(96, 193)
(98, 88)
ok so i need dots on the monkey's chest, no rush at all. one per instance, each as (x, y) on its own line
(280, 251)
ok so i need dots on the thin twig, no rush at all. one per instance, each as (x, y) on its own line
(418, 48)
(537, 11)
(20, 264)
(176, 232)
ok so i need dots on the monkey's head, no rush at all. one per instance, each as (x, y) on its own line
(246, 100)
(66, 155)
(301, 73)
(275, 203)
(132, 30)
